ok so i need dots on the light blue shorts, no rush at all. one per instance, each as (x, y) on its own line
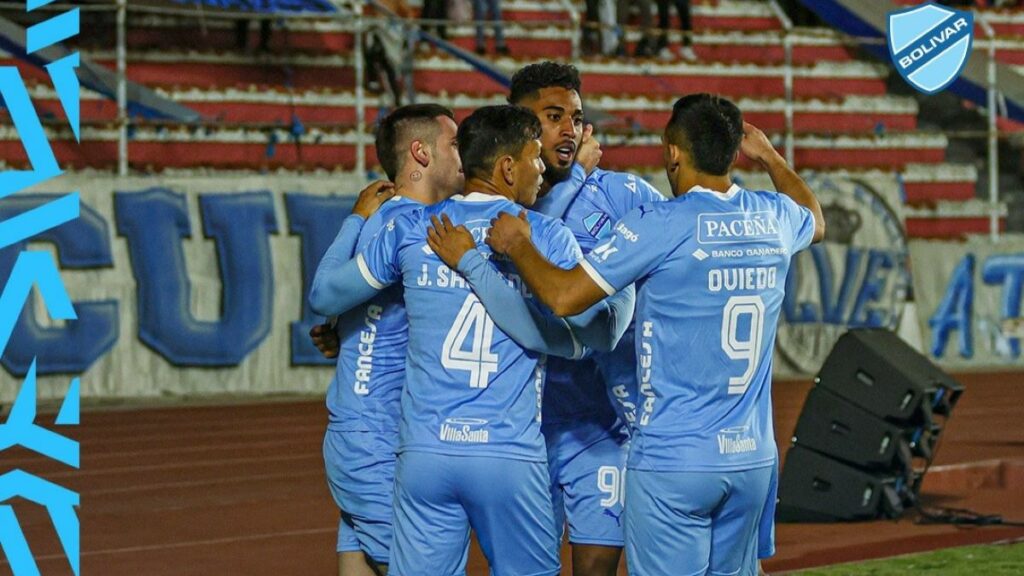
(587, 464)
(766, 531)
(439, 497)
(360, 470)
(694, 523)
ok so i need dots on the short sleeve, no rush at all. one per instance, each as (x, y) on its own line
(560, 246)
(637, 244)
(800, 221)
(378, 261)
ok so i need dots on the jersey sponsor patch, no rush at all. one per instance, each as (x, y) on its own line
(597, 223)
(735, 227)
(469, 430)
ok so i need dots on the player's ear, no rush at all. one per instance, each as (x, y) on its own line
(673, 157)
(508, 165)
(420, 152)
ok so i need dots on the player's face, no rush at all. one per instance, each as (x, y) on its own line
(561, 118)
(528, 170)
(448, 176)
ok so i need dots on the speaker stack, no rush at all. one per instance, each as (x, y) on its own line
(867, 432)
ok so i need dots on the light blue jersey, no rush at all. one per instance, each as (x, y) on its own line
(470, 389)
(713, 270)
(586, 402)
(365, 393)
(605, 198)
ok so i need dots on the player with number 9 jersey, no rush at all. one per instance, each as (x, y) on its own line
(711, 268)
(715, 270)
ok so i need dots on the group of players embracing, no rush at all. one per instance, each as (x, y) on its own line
(516, 328)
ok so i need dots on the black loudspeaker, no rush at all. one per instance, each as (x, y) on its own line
(867, 431)
(881, 373)
(832, 426)
(816, 488)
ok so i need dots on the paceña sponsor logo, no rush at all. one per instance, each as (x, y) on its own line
(734, 227)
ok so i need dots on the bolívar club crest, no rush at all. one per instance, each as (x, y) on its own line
(930, 45)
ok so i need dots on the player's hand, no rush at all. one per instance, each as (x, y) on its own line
(589, 153)
(508, 231)
(373, 197)
(757, 146)
(448, 241)
(325, 339)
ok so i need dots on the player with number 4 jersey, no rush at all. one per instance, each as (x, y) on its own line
(712, 265)
(470, 449)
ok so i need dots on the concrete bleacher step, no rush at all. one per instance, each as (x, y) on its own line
(928, 184)
(727, 30)
(438, 73)
(1004, 21)
(892, 151)
(856, 114)
(950, 220)
(713, 15)
(181, 147)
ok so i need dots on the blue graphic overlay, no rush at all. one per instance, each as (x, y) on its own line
(53, 218)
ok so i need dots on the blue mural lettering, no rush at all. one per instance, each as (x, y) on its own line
(155, 221)
(955, 310)
(1008, 270)
(81, 243)
(871, 290)
(316, 219)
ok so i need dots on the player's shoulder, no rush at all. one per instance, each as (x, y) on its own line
(767, 199)
(391, 211)
(544, 225)
(622, 184)
(403, 217)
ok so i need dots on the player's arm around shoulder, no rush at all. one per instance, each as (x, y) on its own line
(374, 268)
(520, 319)
(542, 263)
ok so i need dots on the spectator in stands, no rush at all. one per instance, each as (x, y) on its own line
(645, 47)
(384, 51)
(481, 8)
(800, 14)
(242, 35)
(435, 10)
(591, 28)
(685, 24)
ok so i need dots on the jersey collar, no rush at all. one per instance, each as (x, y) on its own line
(478, 197)
(732, 191)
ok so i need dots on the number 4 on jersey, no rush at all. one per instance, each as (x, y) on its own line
(472, 324)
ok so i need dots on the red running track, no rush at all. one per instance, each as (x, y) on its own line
(240, 490)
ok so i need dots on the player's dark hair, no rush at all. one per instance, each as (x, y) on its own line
(494, 131)
(710, 128)
(531, 79)
(403, 125)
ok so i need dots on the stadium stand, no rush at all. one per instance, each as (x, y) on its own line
(291, 107)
